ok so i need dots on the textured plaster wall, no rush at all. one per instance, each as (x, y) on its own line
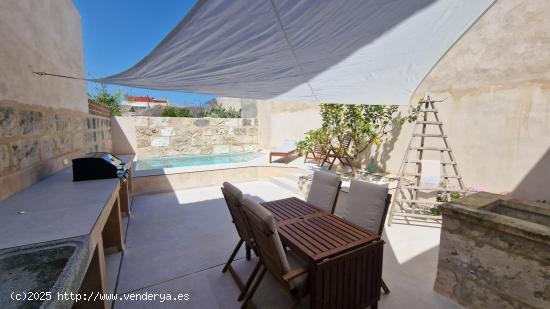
(497, 114)
(45, 36)
(279, 121)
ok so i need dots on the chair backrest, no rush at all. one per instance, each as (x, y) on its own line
(324, 190)
(263, 229)
(233, 197)
(366, 205)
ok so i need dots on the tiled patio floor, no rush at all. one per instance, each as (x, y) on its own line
(177, 242)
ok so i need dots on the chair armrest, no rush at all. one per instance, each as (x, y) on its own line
(293, 274)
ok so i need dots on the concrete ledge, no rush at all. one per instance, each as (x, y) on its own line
(176, 181)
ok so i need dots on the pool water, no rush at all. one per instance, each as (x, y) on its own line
(196, 160)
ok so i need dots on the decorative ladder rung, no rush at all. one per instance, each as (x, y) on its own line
(429, 110)
(445, 176)
(442, 162)
(432, 189)
(430, 122)
(429, 135)
(430, 148)
(418, 216)
(421, 202)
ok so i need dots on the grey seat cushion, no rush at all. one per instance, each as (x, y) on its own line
(324, 189)
(365, 204)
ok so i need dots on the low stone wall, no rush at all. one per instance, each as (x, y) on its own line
(173, 136)
(494, 259)
(35, 141)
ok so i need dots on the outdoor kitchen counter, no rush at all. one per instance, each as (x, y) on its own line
(55, 208)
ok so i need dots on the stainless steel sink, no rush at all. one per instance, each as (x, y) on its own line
(47, 267)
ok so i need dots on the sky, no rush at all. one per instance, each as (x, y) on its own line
(117, 34)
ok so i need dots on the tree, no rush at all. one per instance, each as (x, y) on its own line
(364, 125)
(110, 100)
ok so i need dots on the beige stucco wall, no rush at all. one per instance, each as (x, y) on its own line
(497, 114)
(279, 121)
(44, 36)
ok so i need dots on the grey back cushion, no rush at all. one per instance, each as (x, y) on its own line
(324, 189)
(274, 240)
(233, 191)
(365, 204)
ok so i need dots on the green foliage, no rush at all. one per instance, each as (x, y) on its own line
(171, 111)
(364, 125)
(312, 138)
(111, 100)
(218, 111)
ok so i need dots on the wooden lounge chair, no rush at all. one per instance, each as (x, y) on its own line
(233, 197)
(324, 190)
(318, 154)
(289, 271)
(367, 206)
(332, 154)
(288, 147)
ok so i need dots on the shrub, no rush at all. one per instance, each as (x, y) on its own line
(171, 111)
(110, 100)
(218, 111)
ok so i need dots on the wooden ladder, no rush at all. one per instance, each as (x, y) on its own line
(406, 202)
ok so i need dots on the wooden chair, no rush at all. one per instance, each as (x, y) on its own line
(324, 190)
(318, 154)
(332, 154)
(233, 197)
(367, 206)
(288, 270)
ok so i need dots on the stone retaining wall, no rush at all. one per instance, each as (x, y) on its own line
(35, 140)
(165, 136)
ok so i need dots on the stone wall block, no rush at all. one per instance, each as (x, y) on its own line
(236, 148)
(253, 131)
(167, 131)
(4, 158)
(25, 152)
(47, 146)
(247, 122)
(61, 123)
(8, 124)
(218, 149)
(160, 142)
(30, 122)
(141, 121)
(201, 122)
(147, 132)
(239, 131)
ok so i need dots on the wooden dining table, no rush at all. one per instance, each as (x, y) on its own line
(344, 260)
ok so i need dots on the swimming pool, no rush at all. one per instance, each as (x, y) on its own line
(196, 160)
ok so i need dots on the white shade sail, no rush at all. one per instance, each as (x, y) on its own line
(353, 51)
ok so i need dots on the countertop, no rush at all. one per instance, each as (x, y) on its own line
(54, 208)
